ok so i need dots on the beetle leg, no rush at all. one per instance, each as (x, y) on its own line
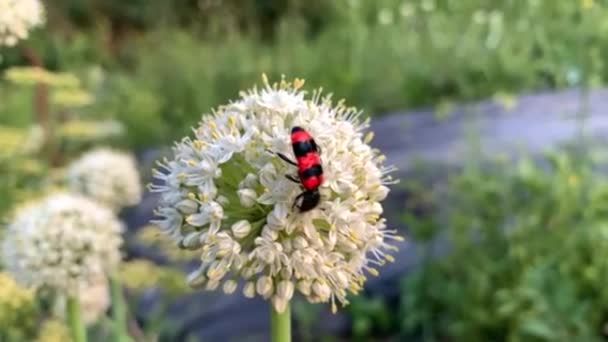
(292, 178)
(284, 157)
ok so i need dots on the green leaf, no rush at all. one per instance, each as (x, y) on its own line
(538, 329)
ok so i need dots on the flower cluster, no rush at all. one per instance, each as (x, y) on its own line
(107, 176)
(62, 241)
(225, 195)
(94, 298)
(53, 330)
(17, 17)
(16, 302)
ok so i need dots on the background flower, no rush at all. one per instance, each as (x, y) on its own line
(53, 331)
(94, 299)
(107, 176)
(225, 195)
(62, 241)
(17, 17)
(17, 310)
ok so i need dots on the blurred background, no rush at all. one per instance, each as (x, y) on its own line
(494, 112)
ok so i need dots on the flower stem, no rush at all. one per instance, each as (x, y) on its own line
(280, 325)
(119, 311)
(77, 328)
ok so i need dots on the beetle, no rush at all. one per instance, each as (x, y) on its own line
(310, 171)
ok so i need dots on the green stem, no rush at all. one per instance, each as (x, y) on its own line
(119, 311)
(77, 328)
(280, 325)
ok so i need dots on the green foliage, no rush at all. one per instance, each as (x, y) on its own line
(527, 260)
(380, 55)
(370, 316)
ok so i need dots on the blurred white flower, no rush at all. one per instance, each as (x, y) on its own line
(428, 5)
(407, 9)
(63, 241)
(94, 299)
(496, 29)
(35, 139)
(573, 76)
(243, 222)
(385, 16)
(480, 17)
(107, 176)
(17, 18)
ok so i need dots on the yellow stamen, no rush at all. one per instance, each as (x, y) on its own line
(298, 83)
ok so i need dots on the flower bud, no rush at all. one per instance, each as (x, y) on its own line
(229, 286)
(187, 206)
(216, 212)
(249, 289)
(285, 290)
(192, 241)
(197, 220)
(287, 245)
(268, 174)
(212, 285)
(304, 286)
(249, 181)
(277, 218)
(321, 289)
(269, 234)
(376, 209)
(279, 303)
(216, 271)
(247, 197)
(241, 229)
(299, 242)
(380, 193)
(225, 247)
(341, 279)
(264, 286)
(196, 278)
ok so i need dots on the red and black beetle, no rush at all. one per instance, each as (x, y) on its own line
(310, 171)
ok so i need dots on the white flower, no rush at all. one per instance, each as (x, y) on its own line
(94, 299)
(17, 18)
(247, 225)
(107, 176)
(385, 16)
(62, 241)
